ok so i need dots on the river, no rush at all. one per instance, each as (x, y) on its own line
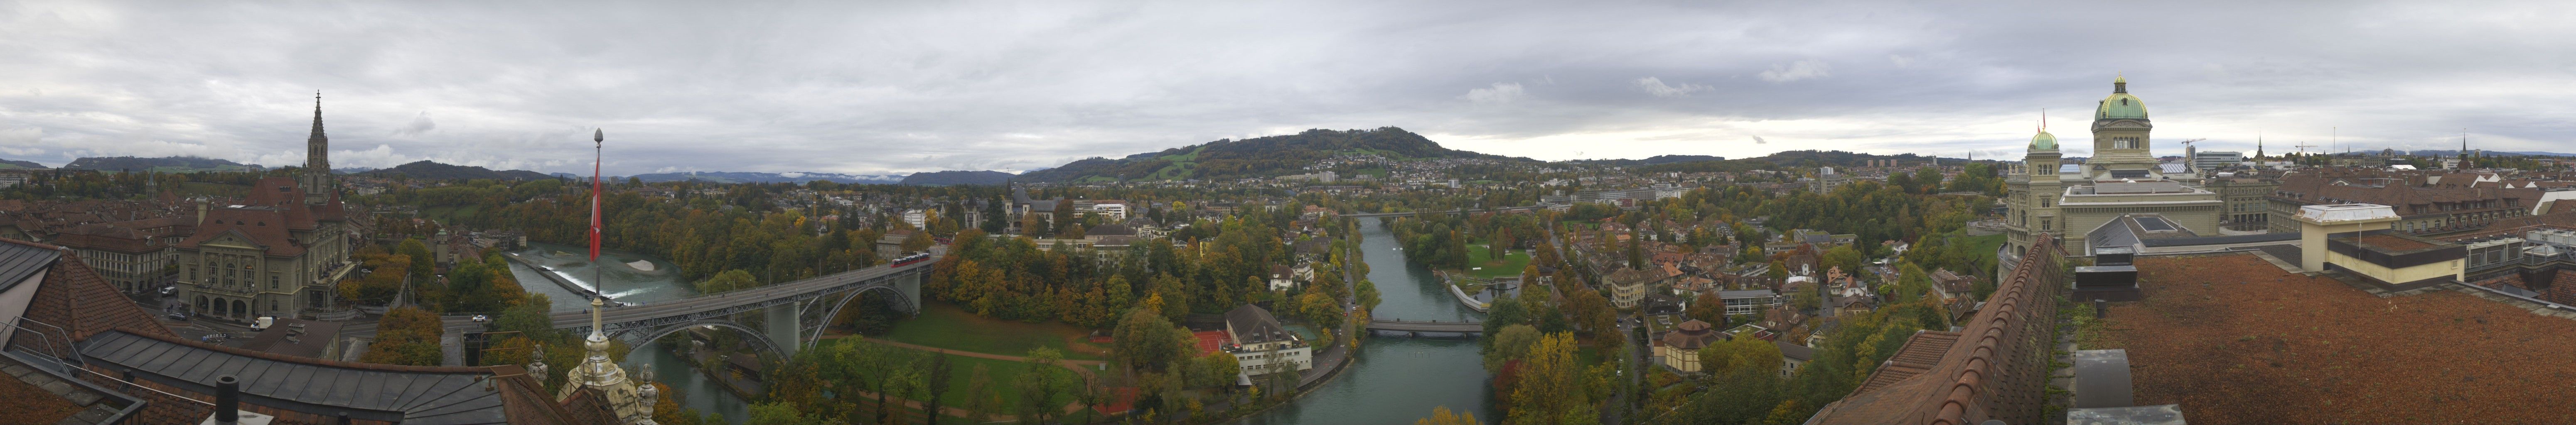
(634, 285)
(1398, 380)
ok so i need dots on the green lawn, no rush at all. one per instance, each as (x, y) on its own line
(945, 325)
(1002, 372)
(1510, 265)
(1987, 243)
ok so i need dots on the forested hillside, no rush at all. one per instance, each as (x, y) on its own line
(1268, 156)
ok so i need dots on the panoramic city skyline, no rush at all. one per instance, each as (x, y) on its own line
(878, 88)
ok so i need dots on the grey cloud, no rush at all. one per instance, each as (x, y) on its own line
(1800, 70)
(878, 87)
(1656, 86)
(419, 124)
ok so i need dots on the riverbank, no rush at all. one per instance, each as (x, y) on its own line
(1394, 380)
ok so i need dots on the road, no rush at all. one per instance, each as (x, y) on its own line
(1622, 402)
(731, 299)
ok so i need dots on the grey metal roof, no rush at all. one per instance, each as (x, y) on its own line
(407, 397)
(2220, 240)
(1748, 293)
(18, 261)
(1252, 324)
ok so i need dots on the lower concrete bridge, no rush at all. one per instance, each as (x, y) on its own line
(1401, 325)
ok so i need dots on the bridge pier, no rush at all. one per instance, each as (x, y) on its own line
(783, 326)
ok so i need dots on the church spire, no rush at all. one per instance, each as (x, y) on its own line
(317, 146)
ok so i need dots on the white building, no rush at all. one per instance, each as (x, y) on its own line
(1260, 345)
(2211, 160)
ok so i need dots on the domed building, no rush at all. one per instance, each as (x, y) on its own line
(2047, 195)
(1680, 348)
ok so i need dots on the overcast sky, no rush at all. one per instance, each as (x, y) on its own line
(885, 87)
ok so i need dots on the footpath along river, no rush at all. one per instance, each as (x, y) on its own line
(1396, 380)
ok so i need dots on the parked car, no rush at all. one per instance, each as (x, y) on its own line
(482, 318)
(179, 316)
(169, 290)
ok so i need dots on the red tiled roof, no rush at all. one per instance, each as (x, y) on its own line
(1920, 353)
(265, 226)
(74, 297)
(1991, 370)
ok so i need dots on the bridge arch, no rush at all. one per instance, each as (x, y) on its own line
(638, 338)
(895, 296)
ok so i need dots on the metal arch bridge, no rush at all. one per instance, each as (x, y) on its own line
(797, 311)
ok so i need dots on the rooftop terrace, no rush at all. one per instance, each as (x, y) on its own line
(2235, 340)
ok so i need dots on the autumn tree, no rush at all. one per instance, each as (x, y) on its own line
(1591, 311)
(1144, 340)
(1041, 382)
(1548, 375)
(1513, 342)
(1707, 308)
(406, 336)
(1441, 416)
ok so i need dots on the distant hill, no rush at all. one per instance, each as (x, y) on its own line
(1781, 160)
(352, 170)
(954, 178)
(170, 164)
(752, 177)
(1658, 159)
(1268, 156)
(12, 163)
(432, 170)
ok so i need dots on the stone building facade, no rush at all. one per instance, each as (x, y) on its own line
(2122, 177)
(275, 254)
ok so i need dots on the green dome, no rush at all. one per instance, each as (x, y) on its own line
(2121, 105)
(2043, 141)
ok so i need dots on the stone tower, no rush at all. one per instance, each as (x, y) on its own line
(2120, 144)
(2034, 191)
(317, 181)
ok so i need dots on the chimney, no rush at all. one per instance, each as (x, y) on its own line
(227, 400)
(228, 405)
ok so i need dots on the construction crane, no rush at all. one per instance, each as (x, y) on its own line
(2187, 143)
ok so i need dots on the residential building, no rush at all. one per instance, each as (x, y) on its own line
(1628, 286)
(1259, 344)
(1749, 301)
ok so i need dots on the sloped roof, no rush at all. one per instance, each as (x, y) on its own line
(408, 394)
(74, 298)
(1253, 324)
(18, 261)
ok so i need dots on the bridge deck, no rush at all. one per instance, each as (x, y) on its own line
(1426, 326)
(729, 300)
